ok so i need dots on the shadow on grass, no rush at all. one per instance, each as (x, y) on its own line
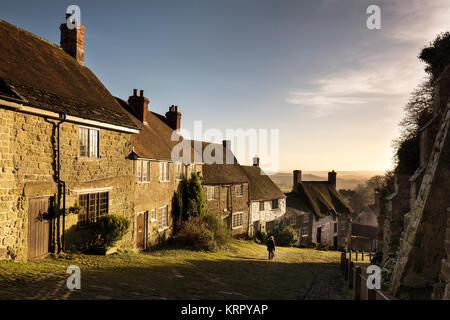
(191, 279)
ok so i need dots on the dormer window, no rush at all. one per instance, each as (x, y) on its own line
(88, 141)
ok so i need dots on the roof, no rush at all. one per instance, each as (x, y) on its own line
(367, 217)
(321, 197)
(295, 206)
(360, 230)
(154, 141)
(44, 76)
(261, 186)
(223, 174)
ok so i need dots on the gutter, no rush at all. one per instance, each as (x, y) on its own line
(55, 115)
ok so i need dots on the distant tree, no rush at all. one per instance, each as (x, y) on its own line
(194, 199)
(364, 194)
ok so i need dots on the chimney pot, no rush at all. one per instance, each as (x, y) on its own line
(173, 117)
(135, 92)
(141, 93)
(332, 177)
(297, 178)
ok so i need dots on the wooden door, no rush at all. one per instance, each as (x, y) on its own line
(38, 227)
(141, 237)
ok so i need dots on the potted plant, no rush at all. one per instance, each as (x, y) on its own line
(76, 208)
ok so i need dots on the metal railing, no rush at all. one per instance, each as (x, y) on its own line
(356, 280)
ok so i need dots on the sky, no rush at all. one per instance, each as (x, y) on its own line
(334, 89)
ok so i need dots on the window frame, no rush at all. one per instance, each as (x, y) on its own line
(153, 215)
(240, 220)
(304, 232)
(95, 204)
(140, 172)
(292, 219)
(180, 171)
(160, 220)
(88, 142)
(239, 187)
(277, 204)
(306, 218)
(208, 190)
(263, 204)
(164, 176)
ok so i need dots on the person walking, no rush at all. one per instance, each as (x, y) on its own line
(271, 247)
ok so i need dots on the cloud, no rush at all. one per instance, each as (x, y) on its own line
(387, 73)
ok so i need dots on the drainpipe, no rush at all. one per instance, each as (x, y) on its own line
(61, 188)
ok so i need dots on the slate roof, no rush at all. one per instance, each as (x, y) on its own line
(40, 74)
(154, 141)
(320, 197)
(261, 186)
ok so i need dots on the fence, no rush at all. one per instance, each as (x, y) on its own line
(356, 277)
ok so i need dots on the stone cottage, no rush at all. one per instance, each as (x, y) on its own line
(157, 176)
(318, 213)
(267, 201)
(64, 143)
(226, 191)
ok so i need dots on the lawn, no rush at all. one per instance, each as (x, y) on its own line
(242, 271)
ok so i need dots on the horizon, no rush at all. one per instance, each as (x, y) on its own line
(333, 88)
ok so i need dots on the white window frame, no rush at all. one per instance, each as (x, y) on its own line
(179, 171)
(263, 204)
(210, 195)
(153, 215)
(140, 165)
(88, 146)
(160, 226)
(293, 221)
(241, 220)
(239, 187)
(305, 218)
(164, 171)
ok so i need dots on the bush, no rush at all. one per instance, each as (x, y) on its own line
(285, 236)
(207, 233)
(262, 236)
(109, 230)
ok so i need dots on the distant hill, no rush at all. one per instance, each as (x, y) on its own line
(345, 179)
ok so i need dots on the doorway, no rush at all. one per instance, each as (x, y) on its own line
(38, 227)
(141, 228)
(319, 235)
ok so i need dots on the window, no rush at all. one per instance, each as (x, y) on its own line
(304, 232)
(180, 171)
(163, 217)
(88, 140)
(164, 171)
(210, 193)
(305, 218)
(343, 225)
(237, 220)
(153, 215)
(261, 206)
(275, 204)
(335, 227)
(239, 190)
(143, 170)
(293, 221)
(94, 205)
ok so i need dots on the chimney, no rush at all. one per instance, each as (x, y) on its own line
(256, 161)
(226, 144)
(173, 117)
(139, 105)
(297, 178)
(72, 40)
(332, 178)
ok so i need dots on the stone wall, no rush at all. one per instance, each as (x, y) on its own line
(156, 194)
(226, 203)
(27, 170)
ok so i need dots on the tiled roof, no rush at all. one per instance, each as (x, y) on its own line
(261, 186)
(44, 76)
